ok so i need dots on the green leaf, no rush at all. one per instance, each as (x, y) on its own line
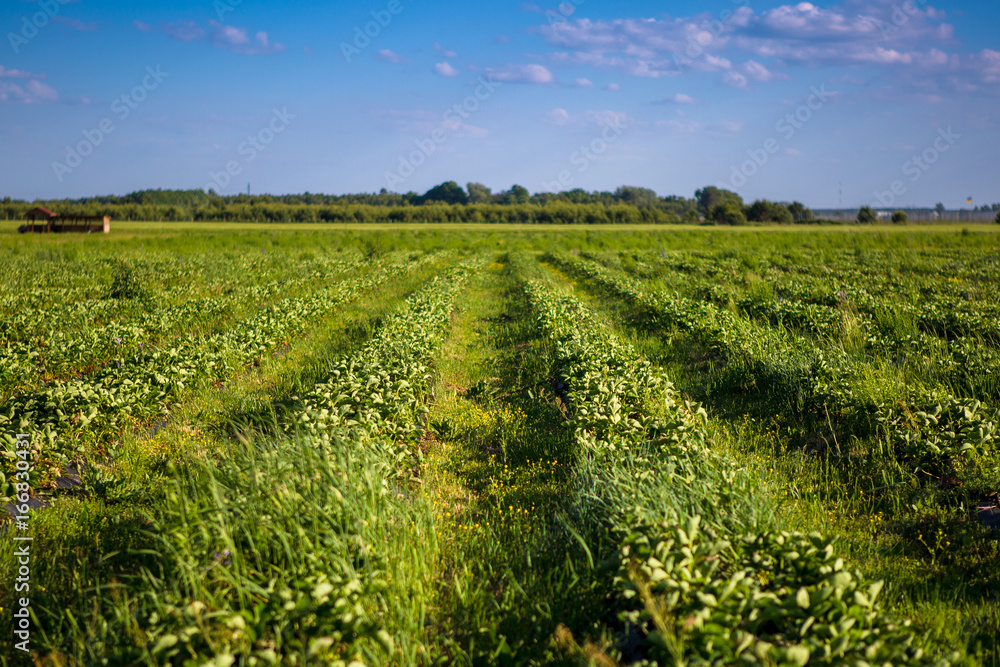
(797, 655)
(802, 598)
(164, 642)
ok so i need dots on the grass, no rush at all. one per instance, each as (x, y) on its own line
(498, 473)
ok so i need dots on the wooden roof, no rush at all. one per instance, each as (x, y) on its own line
(40, 212)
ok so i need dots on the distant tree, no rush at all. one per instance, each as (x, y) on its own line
(766, 211)
(758, 211)
(939, 209)
(728, 214)
(799, 212)
(578, 196)
(866, 216)
(997, 219)
(519, 194)
(448, 192)
(516, 195)
(639, 197)
(711, 196)
(781, 215)
(479, 193)
(900, 218)
(679, 206)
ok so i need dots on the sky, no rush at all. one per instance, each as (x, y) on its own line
(884, 102)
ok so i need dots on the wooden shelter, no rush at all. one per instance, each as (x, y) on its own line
(43, 221)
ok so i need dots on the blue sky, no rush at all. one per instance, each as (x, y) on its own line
(882, 100)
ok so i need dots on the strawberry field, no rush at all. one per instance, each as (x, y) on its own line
(430, 446)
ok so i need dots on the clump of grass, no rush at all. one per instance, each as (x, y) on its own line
(128, 282)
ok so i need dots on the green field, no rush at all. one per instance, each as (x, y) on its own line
(483, 444)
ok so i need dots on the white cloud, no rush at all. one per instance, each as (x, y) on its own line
(612, 86)
(734, 79)
(447, 53)
(609, 118)
(915, 43)
(558, 116)
(223, 36)
(32, 92)
(457, 128)
(522, 74)
(756, 71)
(445, 69)
(648, 48)
(679, 98)
(584, 83)
(387, 56)
(17, 74)
(237, 40)
(987, 64)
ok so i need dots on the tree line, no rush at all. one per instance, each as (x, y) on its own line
(447, 202)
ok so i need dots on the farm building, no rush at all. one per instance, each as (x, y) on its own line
(43, 221)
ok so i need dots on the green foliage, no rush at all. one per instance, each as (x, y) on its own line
(287, 549)
(128, 283)
(700, 595)
(710, 197)
(146, 379)
(900, 218)
(765, 211)
(639, 197)
(867, 360)
(798, 376)
(448, 192)
(799, 212)
(939, 436)
(728, 214)
(517, 194)
(479, 193)
(866, 216)
(774, 598)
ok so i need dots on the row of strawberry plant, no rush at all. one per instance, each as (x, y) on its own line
(143, 385)
(933, 429)
(946, 309)
(972, 274)
(322, 551)
(699, 572)
(42, 310)
(64, 353)
(887, 330)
